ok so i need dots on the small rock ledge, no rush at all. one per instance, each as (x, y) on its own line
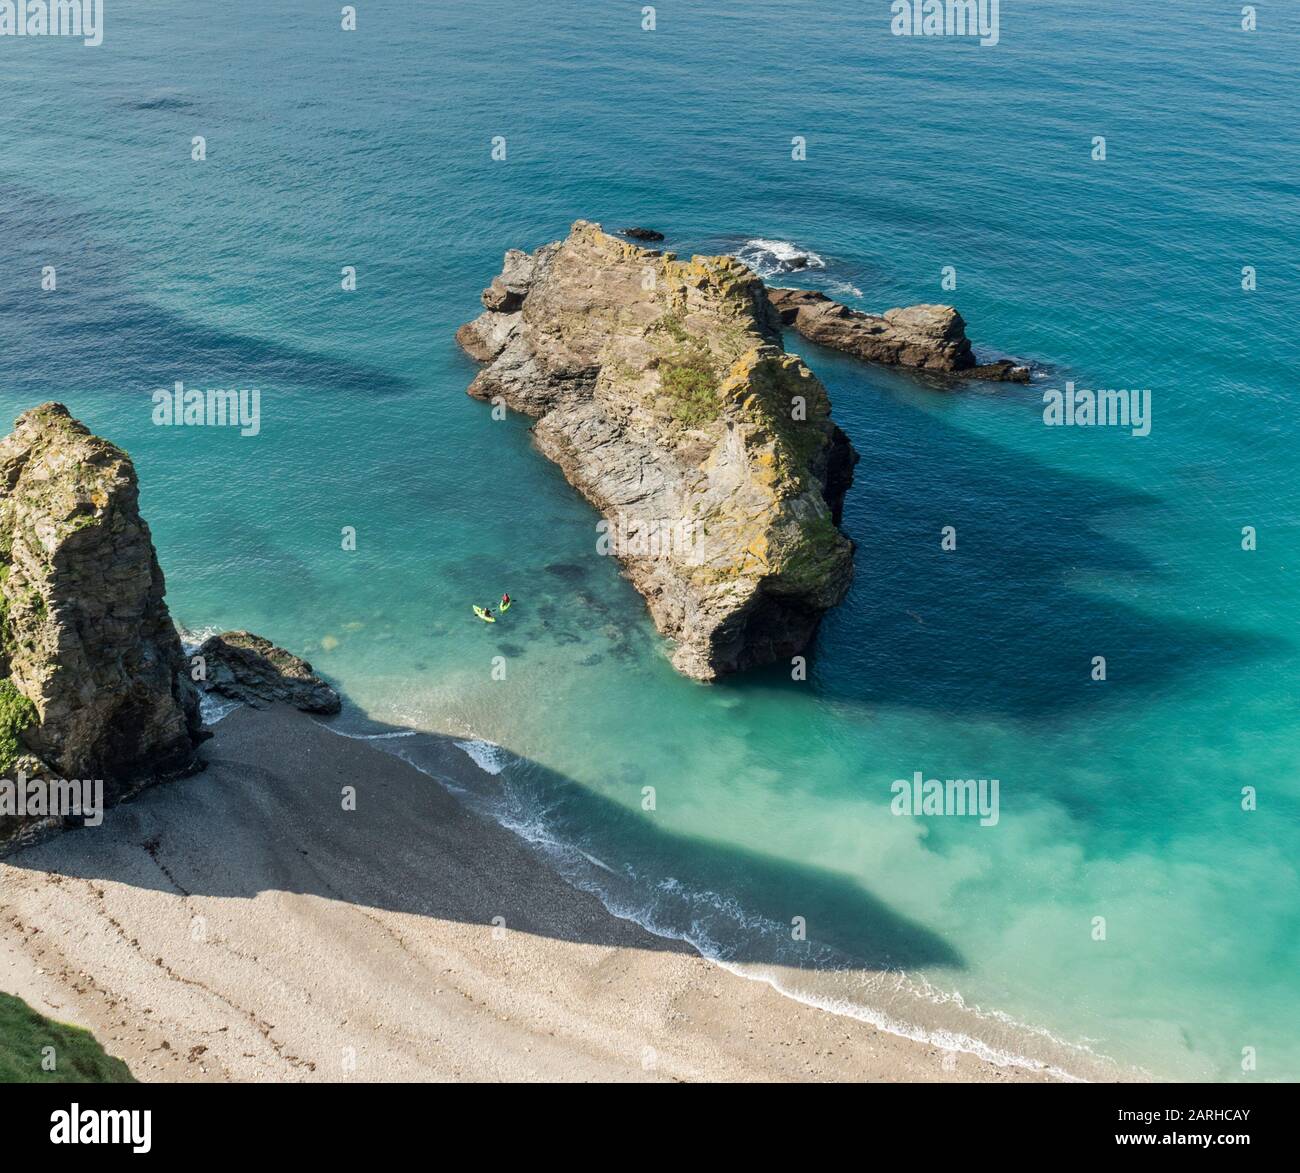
(924, 337)
(244, 667)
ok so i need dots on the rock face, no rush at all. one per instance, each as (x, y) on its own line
(928, 337)
(507, 291)
(85, 636)
(247, 668)
(661, 389)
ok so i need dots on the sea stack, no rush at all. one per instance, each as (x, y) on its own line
(95, 681)
(661, 389)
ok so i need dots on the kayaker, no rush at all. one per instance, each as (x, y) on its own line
(505, 601)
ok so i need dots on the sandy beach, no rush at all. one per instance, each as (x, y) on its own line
(241, 925)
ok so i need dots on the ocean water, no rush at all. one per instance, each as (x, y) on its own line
(1120, 800)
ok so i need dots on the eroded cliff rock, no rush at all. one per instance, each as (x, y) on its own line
(247, 668)
(89, 658)
(926, 337)
(661, 389)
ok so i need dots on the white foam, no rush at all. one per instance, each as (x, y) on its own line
(768, 258)
(600, 863)
(944, 1039)
(369, 736)
(487, 755)
(214, 708)
(535, 832)
(192, 640)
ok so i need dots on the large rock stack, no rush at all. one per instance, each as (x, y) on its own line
(662, 391)
(94, 680)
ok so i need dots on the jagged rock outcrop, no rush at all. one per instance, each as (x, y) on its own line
(507, 291)
(661, 389)
(247, 668)
(928, 337)
(646, 234)
(87, 648)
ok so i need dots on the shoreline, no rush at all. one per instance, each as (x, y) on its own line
(240, 925)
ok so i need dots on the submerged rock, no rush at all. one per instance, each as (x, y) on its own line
(569, 571)
(927, 337)
(247, 668)
(89, 656)
(661, 389)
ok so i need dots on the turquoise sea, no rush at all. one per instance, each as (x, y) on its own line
(1119, 799)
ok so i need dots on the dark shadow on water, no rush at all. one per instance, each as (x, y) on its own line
(1007, 624)
(276, 801)
(161, 100)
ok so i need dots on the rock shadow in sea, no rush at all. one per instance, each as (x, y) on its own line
(1004, 625)
(281, 830)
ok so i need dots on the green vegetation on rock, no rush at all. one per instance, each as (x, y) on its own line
(689, 382)
(16, 714)
(687, 375)
(29, 1043)
(674, 326)
(820, 549)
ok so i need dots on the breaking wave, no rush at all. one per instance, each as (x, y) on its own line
(773, 258)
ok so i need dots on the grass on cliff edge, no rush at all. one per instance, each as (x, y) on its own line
(16, 714)
(77, 1057)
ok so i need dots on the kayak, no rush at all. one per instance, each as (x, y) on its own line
(483, 615)
(505, 607)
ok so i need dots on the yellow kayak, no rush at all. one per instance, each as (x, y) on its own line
(483, 615)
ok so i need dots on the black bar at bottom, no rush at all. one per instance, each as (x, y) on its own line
(333, 1122)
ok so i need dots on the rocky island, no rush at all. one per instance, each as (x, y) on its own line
(662, 390)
